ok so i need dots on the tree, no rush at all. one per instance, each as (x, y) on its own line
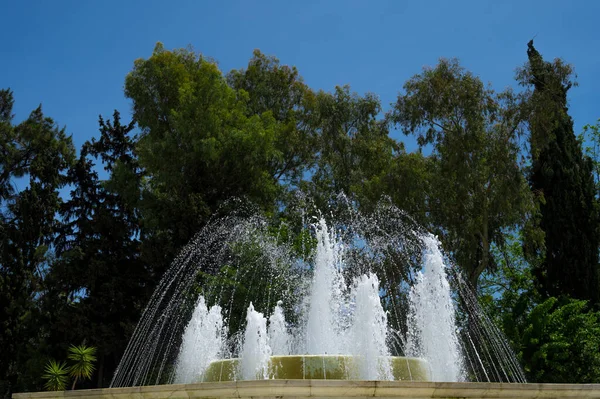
(83, 358)
(280, 91)
(99, 283)
(555, 339)
(199, 147)
(406, 179)
(560, 342)
(476, 188)
(56, 376)
(353, 146)
(592, 133)
(82, 366)
(562, 179)
(37, 154)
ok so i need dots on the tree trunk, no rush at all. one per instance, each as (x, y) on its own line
(100, 383)
(481, 263)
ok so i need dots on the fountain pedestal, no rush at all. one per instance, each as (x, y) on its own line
(319, 367)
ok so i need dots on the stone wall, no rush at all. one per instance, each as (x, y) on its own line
(328, 389)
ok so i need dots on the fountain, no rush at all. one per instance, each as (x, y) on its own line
(356, 299)
(344, 336)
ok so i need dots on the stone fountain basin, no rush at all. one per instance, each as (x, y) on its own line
(318, 367)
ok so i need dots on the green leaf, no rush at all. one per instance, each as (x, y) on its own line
(55, 376)
(84, 358)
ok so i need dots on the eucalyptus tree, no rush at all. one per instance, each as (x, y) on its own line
(476, 187)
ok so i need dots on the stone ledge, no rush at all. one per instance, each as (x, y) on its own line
(331, 389)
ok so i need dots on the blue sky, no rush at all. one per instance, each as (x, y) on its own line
(72, 56)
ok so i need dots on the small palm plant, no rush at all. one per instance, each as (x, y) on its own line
(56, 376)
(83, 358)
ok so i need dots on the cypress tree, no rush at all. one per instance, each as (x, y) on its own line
(562, 178)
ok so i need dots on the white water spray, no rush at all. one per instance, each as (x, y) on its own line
(432, 327)
(202, 343)
(279, 338)
(330, 318)
(369, 331)
(326, 299)
(256, 352)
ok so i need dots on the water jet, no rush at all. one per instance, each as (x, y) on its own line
(363, 296)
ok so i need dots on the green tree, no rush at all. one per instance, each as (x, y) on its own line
(561, 342)
(56, 376)
(556, 339)
(406, 179)
(592, 150)
(199, 147)
(353, 146)
(280, 91)
(36, 154)
(99, 283)
(508, 293)
(562, 179)
(476, 189)
(83, 358)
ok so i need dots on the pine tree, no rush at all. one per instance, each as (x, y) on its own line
(34, 158)
(561, 176)
(98, 271)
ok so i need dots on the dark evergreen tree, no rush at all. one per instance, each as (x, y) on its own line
(99, 276)
(561, 176)
(35, 155)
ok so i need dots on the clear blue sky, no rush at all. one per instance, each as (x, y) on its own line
(72, 56)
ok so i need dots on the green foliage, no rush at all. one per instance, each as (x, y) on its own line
(199, 147)
(56, 376)
(82, 367)
(278, 90)
(561, 342)
(475, 187)
(252, 274)
(406, 180)
(98, 282)
(508, 292)
(562, 179)
(196, 137)
(354, 148)
(592, 133)
(83, 358)
(37, 154)
(556, 339)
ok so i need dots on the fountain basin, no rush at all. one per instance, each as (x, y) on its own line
(319, 367)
